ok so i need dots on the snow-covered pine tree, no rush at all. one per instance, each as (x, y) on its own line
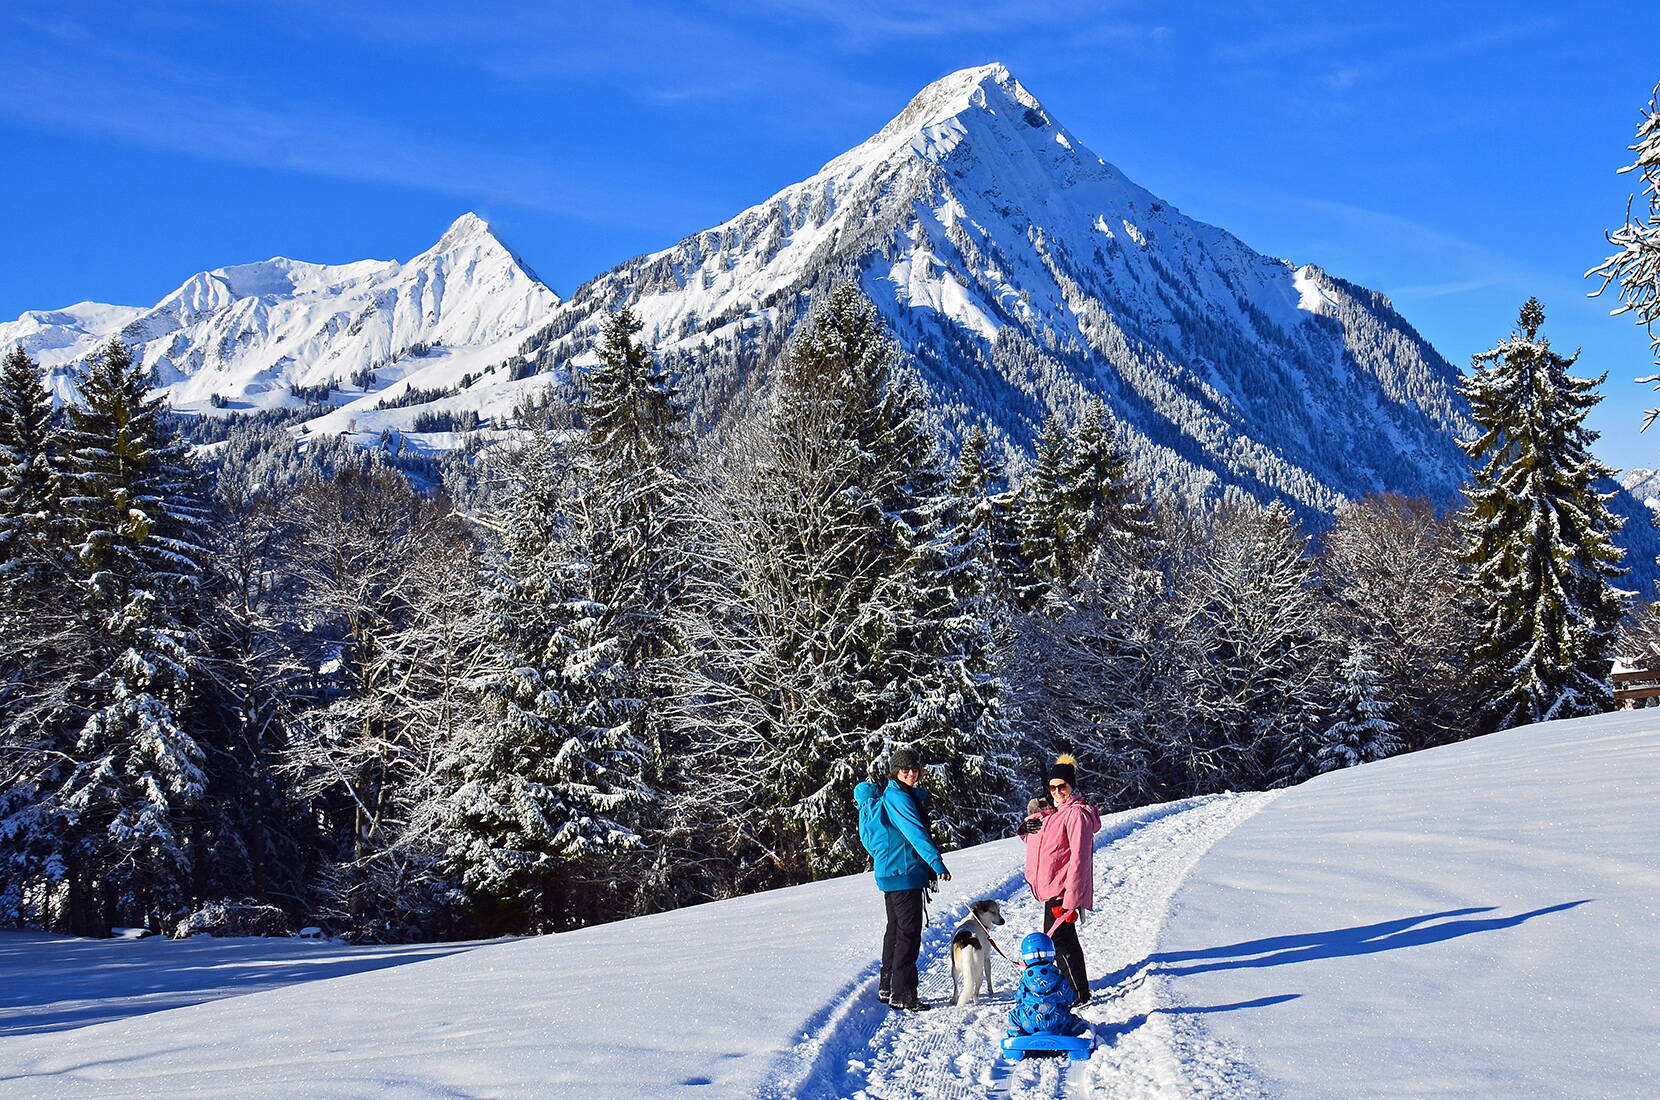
(1048, 522)
(540, 792)
(1363, 731)
(633, 521)
(31, 475)
(934, 639)
(135, 502)
(825, 621)
(1538, 536)
(36, 605)
(1110, 511)
(992, 519)
(1635, 265)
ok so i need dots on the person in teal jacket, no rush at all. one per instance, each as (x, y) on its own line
(893, 827)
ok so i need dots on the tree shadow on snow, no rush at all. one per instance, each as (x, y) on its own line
(1111, 1033)
(63, 984)
(1365, 939)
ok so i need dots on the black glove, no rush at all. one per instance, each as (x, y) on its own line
(1030, 825)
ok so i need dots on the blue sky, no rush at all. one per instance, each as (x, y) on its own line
(1456, 157)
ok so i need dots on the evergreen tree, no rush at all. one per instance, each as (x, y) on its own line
(137, 772)
(1047, 519)
(1635, 265)
(1110, 512)
(30, 478)
(632, 517)
(33, 608)
(541, 791)
(845, 617)
(1363, 731)
(1539, 537)
(992, 520)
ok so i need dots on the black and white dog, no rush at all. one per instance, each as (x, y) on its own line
(971, 953)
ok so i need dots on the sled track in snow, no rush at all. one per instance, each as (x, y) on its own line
(1149, 1045)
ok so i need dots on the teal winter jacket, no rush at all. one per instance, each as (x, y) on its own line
(892, 829)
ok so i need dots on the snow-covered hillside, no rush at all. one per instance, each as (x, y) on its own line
(248, 334)
(1475, 920)
(1642, 484)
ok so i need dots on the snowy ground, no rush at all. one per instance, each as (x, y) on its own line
(1473, 921)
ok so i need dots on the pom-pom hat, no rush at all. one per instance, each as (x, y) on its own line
(1063, 769)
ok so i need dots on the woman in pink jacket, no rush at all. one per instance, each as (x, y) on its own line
(1060, 868)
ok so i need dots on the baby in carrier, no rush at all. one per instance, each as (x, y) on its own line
(1043, 1004)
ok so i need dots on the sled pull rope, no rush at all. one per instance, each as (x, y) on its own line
(1065, 916)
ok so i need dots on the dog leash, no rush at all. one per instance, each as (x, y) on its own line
(987, 932)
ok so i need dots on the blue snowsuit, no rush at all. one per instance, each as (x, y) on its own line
(1043, 1003)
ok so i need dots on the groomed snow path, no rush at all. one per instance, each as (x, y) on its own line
(860, 1048)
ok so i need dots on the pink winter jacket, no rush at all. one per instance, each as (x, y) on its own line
(1060, 857)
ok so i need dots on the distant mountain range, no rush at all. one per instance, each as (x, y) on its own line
(1021, 272)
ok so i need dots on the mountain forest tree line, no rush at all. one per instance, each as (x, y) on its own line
(608, 668)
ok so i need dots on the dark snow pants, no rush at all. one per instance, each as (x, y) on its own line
(901, 943)
(1069, 953)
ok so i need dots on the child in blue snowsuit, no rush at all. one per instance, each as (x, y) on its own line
(1043, 1004)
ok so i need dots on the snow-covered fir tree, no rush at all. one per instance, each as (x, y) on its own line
(1048, 520)
(831, 622)
(1635, 264)
(1538, 536)
(1112, 519)
(36, 606)
(540, 793)
(31, 474)
(1363, 731)
(137, 777)
(631, 515)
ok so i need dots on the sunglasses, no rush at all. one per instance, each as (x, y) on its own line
(1060, 786)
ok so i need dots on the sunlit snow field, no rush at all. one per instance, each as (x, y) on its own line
(1476, 920)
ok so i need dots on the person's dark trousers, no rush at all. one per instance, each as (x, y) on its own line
(1069, 953)
(900, 944)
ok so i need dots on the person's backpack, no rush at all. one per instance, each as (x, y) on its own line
(873, 818)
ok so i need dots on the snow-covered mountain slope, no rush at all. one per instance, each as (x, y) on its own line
(1025, 273)
(1474, 920)
(246, 335)
(1643, 484)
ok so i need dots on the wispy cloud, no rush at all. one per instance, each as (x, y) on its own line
(1444, 290)
(199, 117)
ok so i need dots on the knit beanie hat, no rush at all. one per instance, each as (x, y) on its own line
(903, 758)
(1063, 770)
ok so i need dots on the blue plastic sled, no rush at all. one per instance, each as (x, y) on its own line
(1075, 1047)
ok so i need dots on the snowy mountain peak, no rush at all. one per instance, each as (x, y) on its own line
(283, 332)
(951, 112)
(1025, 274)
(467, 227)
